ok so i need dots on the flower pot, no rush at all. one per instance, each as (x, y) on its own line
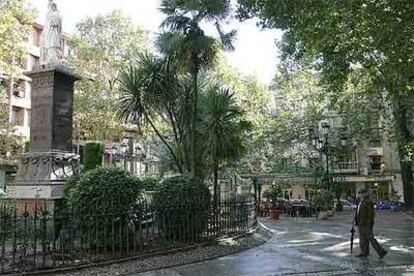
(274, 214)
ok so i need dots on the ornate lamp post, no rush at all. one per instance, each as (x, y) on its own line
(321, 144)
(124, 151)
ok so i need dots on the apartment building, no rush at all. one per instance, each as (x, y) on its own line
(18, 87)
(373, 163)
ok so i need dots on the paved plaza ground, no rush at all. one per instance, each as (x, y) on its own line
(310, 247)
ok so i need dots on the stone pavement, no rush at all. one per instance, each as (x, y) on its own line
(305, 246)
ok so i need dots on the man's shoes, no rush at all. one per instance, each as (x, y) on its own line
(360, 255)
(382, 255)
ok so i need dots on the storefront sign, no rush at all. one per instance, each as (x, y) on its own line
(372, 178)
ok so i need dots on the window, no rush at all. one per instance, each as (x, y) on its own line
(19, 88)
(17, 117)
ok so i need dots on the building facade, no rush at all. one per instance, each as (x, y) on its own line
(18, 86)
(373, 163)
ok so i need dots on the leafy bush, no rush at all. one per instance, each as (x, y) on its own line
(149, 183)
(182, 204)
(273, 194)
(323, 200)
(93, 155)
(102, 200)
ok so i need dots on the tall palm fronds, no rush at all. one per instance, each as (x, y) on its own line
(222, 128)
(189, 43)
(150, 90)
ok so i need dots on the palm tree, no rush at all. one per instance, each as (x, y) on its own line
(150, 90)
(189, 43)
(222, 128)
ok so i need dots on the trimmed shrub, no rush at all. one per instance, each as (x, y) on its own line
(182, 206)
(102, 201)
(93, 155)
(149, 183)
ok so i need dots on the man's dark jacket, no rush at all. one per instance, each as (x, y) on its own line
(365, 216)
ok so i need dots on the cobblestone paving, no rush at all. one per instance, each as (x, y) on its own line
(310, 247)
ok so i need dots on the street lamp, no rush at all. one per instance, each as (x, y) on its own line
(124, 150)
(321, 144)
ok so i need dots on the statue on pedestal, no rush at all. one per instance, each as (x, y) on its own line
(52, 36)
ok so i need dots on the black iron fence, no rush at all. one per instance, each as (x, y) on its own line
(35, 236)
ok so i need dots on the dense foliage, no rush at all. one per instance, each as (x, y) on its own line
(323, 200)
(222, 127)
(103, 190)
(183, 205)
(16, 19)
(93, 155)
(149, 183)
(102, 197)
(99, 48)
(273, 194)
(185, 39)
(370, 39)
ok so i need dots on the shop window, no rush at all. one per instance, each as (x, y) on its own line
(17, 117)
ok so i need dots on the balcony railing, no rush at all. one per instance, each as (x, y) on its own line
(345, 167)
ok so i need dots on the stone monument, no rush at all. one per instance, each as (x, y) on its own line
(42, 171)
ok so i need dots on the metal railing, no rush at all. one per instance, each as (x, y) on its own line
(345, 167)
(36, 237)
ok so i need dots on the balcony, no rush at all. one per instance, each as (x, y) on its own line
(345, 167)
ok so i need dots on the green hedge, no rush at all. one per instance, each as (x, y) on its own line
(103, 200)
(149, 183)
(182, 205)
(93, 155)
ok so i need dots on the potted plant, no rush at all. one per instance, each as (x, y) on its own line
(273, 194)
(323, 202)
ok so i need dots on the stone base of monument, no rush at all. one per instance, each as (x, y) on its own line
(42, 176)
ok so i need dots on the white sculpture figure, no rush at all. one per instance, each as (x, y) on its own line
(52, 49)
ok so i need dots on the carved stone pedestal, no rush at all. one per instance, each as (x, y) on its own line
(43, 171)
(42, 175)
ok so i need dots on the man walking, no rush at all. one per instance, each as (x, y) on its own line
(364, 219)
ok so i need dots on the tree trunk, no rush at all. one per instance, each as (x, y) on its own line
(215, 181)
(194, 120)
(404, 136)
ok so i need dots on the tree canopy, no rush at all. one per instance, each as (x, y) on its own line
(99, 48)
(338, 38)
(16, 19)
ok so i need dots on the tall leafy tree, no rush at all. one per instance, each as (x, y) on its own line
(222, 127)
(99, 48)
(254, 98)
(16, 21)
(187, 40)
(340, 37)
